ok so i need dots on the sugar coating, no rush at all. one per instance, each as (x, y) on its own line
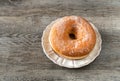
(61, 42)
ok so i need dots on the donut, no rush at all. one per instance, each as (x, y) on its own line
(72, 37)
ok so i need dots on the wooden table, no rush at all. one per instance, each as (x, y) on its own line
(22, 23)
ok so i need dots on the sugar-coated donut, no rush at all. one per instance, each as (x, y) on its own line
(72, 37)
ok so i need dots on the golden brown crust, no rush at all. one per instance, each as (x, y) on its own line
(72, 37)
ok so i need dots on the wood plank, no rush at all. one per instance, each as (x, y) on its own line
(60, 8)
(67, 75)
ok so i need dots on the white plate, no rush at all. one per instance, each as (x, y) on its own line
(67, 62)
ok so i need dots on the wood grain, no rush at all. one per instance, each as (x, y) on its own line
(22, 23)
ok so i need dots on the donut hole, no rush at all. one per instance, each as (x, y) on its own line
(72, 36)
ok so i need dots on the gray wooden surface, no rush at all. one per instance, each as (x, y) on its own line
(22, 23)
